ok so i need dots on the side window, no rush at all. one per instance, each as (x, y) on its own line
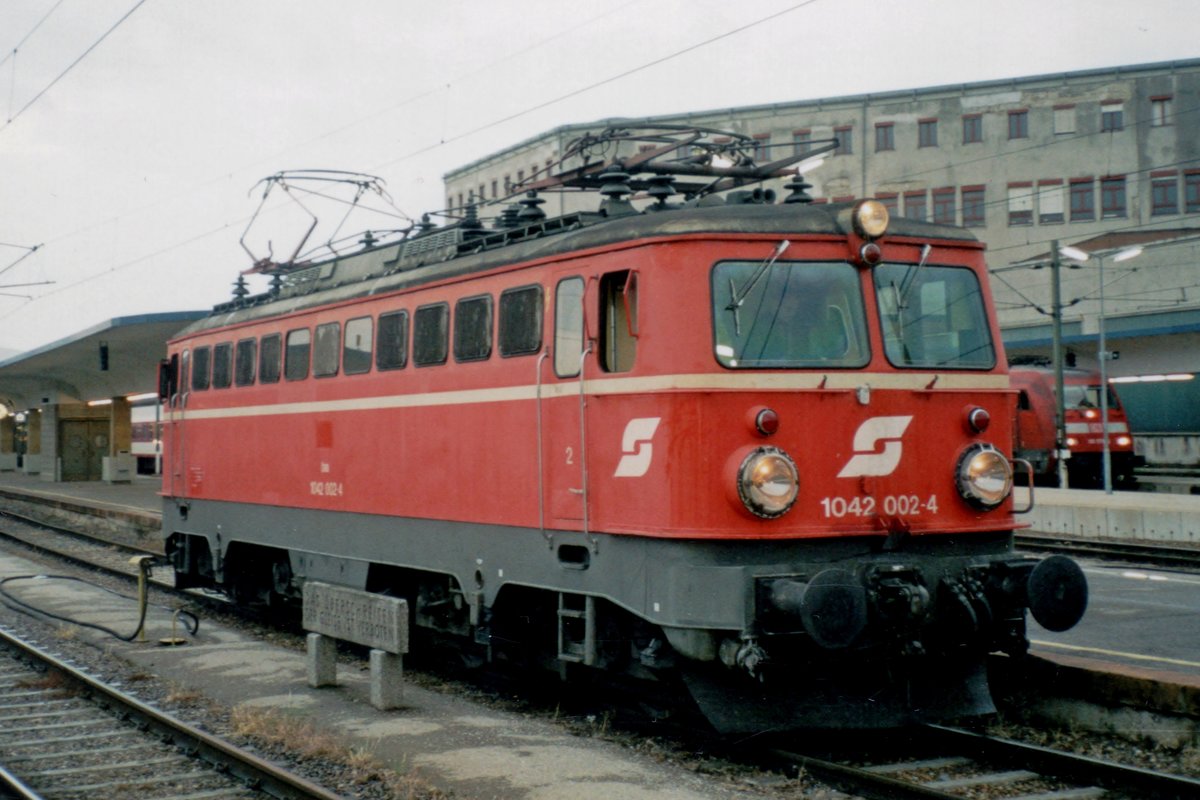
(568, 327)
(222, 369)
(618, 320)
(393, 340)
(431, 334)
(356, 352)
(521, 321)
(268, 358)
(245, 361)
(295, 360)
(185, 364)
(201, 366)
(1023, 401)
(473, 329)
(327, 350)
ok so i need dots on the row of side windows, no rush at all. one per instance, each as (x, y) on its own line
(332, 348)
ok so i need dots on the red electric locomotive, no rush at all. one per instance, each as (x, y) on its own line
(760, 447)
(1034, 434)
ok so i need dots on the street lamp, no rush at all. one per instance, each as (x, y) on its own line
(1103, 354)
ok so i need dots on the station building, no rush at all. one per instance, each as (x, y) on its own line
(84, 408)
(1101, 161)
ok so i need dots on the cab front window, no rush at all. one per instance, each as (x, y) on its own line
(933, 317)
(788, 314)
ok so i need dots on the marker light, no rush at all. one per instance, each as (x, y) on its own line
(766, 422)
(984, 476)
(978, 419)
(768, 482)
(870, 219)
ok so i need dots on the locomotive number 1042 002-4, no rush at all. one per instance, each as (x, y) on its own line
(892, 505)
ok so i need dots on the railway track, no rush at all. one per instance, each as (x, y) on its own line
(65, 734)
(952, 764)
(1147, 554)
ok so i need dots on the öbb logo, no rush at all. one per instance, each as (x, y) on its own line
(868, 459)
(636, 447)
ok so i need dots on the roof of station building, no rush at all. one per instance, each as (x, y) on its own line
(70, 369)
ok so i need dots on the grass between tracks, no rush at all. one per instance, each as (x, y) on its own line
(300, 738)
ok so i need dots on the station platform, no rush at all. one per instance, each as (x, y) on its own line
(124, 513)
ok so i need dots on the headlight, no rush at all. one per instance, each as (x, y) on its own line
(984, 476)
(768, 482)
(870, 219)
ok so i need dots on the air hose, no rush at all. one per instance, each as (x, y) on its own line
(192, 623)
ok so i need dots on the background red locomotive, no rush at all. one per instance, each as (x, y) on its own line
(757, 446)
(1034, 434)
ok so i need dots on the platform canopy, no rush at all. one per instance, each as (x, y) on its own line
(117, 358)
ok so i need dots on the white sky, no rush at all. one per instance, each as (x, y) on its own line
(135, 170)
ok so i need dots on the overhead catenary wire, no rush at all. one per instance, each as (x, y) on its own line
(421, 151)
(13, 117)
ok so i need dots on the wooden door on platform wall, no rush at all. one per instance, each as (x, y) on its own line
(84, 445)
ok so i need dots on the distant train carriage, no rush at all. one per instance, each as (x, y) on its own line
(761, 450)
(146, 437)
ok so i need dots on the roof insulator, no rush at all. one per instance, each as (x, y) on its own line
(661, 187)
(799, 190)
(509, 217)
(471, 225)
(276, 282)
(615, 187)
(368, 240)
(426, 224)
(240, 290)
(530, 212)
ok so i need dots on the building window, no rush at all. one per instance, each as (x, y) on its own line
(762, 148)
(1111, 117)
(1160, 111)
(845, 137)
(473, 329)
(927, 133)
(891, 201)
(1018, 124)
(327, 350)
(1051, 202)
(1191, 192)
(915, 206)
(1083, 200)
(802, 142)
(973, 213)
(972, 128)
(1020, 204)
(1164, 194)
(495, 189)
(1064, 119)
(1112, 197)
(944, 210)
(885, 136)
(431, 334)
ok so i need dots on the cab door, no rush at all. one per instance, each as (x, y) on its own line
(563, 408)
